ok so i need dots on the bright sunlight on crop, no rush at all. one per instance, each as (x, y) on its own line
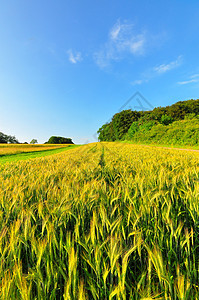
(101, 221)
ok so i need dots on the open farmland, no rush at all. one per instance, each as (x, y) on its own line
(13, 152)
(101, 221)
(8, 149)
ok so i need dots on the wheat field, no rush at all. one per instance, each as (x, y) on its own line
(101, 221)
(8, 149)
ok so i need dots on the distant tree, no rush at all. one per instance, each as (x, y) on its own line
(34, 141)
(59, 140)
(4, 139)
(12, 140)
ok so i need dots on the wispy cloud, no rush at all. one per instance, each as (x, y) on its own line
(192, 79)
(74, 57)
(115, 31)
(122, 40)
(139, 81)
(195, 76)
(158, 70)
(167, 67)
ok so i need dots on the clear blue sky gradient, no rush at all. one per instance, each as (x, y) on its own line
(66, 67)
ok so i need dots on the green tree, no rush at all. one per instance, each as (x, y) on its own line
(105, 133)
(120, 126)
(34, 141)
(59, 140)
(133, 129)
(4, 139)
(122, 121)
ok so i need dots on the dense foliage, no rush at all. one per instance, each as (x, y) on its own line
(59, 140)
(102, 221)
(4, 139)
(119, 125)
(153, 125)
(184, 132)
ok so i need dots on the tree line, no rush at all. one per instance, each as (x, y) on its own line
(8, 139)
(127, 124)
(5, 139)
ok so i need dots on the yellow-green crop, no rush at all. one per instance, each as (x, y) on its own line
(8, 149)
(102, 221)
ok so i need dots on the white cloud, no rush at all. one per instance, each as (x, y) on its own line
(191, 79)
(138, 81)
(115, 31)
(194, 76)
(167, 67)
(74, 57)
(188, 81)
(158, 70)
(122, 40)
(138, 46)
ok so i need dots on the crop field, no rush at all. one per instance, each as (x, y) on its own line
(101, 221)
(7, 149)
(10, 152)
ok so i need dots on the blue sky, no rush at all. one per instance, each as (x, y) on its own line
(66, 67)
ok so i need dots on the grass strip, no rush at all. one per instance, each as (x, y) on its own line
(33, 154)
